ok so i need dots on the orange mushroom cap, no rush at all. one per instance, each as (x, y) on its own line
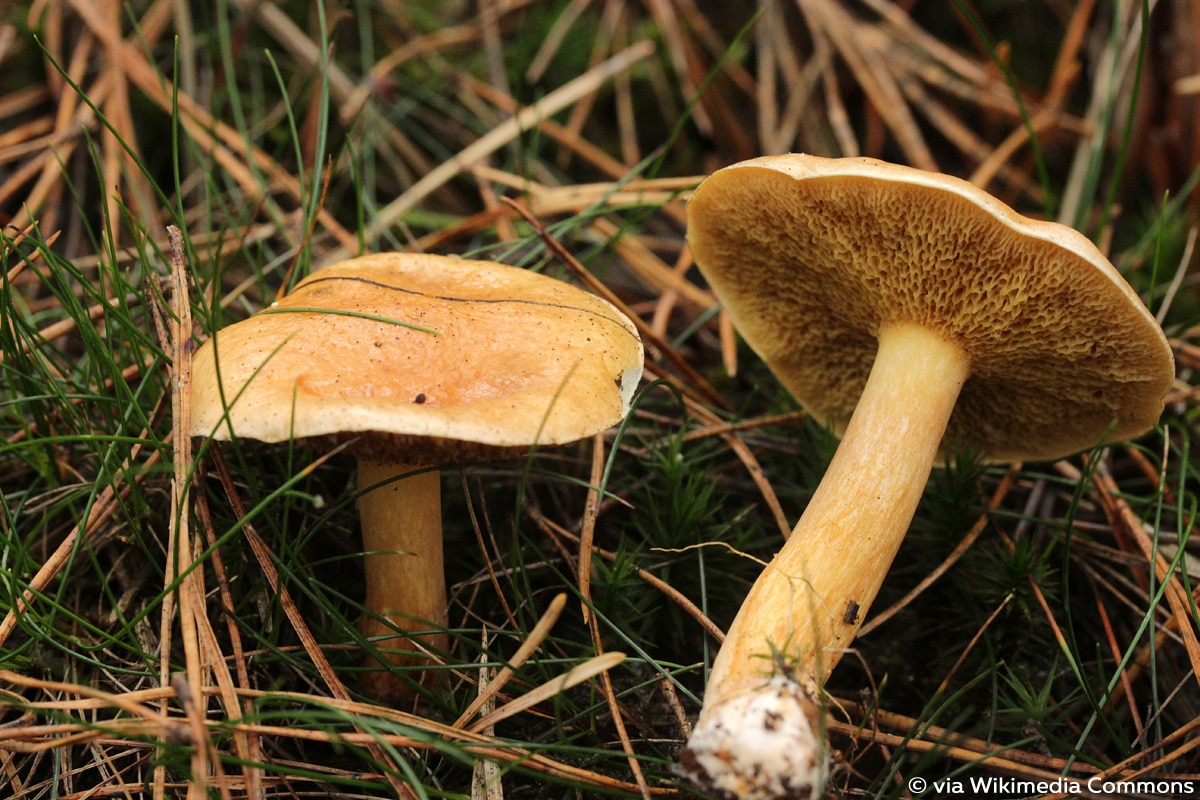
(432, 359)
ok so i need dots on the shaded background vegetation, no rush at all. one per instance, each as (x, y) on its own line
(282, 136)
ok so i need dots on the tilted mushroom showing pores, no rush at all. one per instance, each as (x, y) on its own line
(917, 316)
(418, 361)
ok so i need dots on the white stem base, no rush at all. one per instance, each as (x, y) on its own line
(756, 737)
(763, 745)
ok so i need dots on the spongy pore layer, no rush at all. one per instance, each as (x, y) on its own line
(812, 256)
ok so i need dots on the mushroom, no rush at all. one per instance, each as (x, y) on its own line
(417, 361)
(917, 316)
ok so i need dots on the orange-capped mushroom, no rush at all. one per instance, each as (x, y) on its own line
(418, 361)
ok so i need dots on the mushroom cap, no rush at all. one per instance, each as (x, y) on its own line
(811, 256)
(517, 359)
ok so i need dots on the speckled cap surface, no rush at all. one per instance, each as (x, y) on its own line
(810, 256)
(502, 358)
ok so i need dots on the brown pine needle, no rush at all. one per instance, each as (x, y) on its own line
(572, 677)
(485, 775)
(587, 530)
(501, 135)
(528, 647)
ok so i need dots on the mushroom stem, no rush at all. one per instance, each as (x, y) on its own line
(755, 736)
(405, 580)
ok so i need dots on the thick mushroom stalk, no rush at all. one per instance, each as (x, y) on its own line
(418, 360)
(823, 263)
(755, 737)
(401, 521)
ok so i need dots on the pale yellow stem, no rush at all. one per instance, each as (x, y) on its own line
(406, 584)
(758, 735)
(811, 599)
